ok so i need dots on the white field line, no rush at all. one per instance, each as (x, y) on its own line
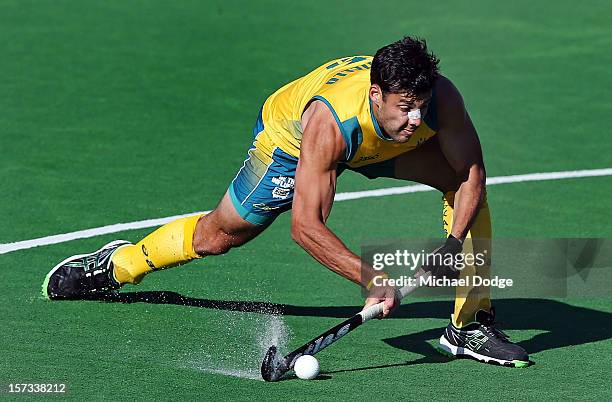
(120, 227)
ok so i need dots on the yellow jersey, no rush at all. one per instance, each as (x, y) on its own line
(343, 85)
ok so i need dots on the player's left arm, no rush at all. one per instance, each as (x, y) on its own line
(461, 147)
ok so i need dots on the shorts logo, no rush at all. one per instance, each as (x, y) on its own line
(265, 207)
(283, 188)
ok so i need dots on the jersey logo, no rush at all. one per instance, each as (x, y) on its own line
(368, 158)
(347, 71)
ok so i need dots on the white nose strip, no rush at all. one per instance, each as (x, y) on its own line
(414, 114)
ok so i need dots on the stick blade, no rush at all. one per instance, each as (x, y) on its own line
(273, 366)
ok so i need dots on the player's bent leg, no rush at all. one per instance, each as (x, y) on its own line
(471, 332)
(262, 190)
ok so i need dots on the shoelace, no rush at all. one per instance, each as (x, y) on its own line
(490, 329)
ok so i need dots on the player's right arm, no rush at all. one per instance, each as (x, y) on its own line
(321, 150)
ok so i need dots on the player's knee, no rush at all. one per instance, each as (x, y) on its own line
(213, 243)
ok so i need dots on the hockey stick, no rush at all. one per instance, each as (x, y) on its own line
(274, 367)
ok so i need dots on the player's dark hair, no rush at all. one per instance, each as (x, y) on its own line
(405, 66)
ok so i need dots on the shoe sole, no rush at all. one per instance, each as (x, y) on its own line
(45, 285)
(448, 349)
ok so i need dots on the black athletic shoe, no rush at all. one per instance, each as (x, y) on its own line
(82, 276)
(483, 342)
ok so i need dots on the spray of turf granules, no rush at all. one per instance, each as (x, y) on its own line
(276, 333)
(240, 345)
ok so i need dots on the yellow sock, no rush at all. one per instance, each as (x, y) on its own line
(470, 299)
(168, 246)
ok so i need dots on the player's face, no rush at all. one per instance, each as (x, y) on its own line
(395, 112)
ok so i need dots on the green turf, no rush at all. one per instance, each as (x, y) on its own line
(120, 111)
